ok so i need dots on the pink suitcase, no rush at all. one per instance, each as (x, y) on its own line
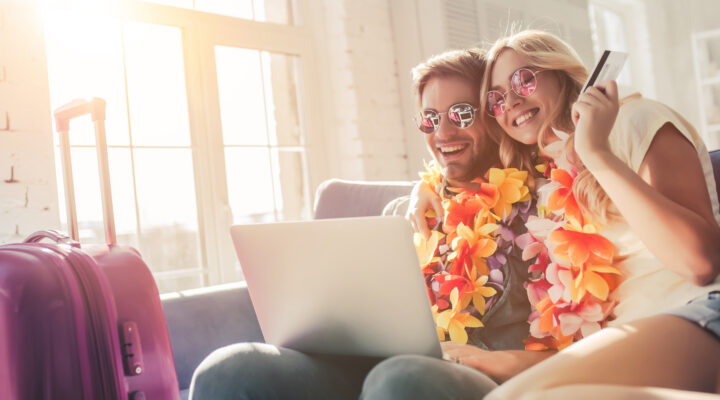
(81, 322)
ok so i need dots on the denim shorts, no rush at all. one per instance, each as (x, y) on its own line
(704, 311)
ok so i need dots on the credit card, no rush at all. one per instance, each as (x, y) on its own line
(607, 68)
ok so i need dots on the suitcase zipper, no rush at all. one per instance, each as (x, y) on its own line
(102, 331)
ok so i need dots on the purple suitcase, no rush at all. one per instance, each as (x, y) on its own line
(81, 323)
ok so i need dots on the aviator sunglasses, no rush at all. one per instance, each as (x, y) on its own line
(461, 115)
(523, 82)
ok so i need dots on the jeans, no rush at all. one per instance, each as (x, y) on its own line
(261, 371)
(419, 377)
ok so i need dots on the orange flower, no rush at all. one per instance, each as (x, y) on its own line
(466, 205)
(479, 243)
(511, 186)
(581, 245)
(455, 321)
(563, 198)
(470, 288)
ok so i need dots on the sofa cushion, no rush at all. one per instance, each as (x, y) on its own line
(336, 198)
(202, 320)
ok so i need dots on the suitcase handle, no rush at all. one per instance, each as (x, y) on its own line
(55, 236)
(96, 108)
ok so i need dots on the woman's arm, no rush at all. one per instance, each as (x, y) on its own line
(422, 199)
(667, 202)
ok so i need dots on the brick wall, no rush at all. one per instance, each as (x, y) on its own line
(28, 194)
(365, 120)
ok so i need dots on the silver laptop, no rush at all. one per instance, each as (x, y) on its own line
(338, 286)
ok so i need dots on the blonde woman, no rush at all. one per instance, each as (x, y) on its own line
(643, 177)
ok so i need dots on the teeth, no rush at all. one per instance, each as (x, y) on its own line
(524, 117)
(450, 149)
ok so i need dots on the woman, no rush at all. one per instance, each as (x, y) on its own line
(644, 177)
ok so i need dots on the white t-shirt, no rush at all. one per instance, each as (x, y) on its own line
(648, 287)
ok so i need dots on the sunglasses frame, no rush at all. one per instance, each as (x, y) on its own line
(418, 119)
(504, 95)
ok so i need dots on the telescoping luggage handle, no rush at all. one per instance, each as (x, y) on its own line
(96, 108)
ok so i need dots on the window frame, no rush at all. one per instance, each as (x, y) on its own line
(201, 32)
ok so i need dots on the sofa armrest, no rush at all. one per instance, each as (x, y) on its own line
(336, 198)
(202, 320)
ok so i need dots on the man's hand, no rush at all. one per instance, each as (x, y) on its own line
(422, 199)
(499, 365)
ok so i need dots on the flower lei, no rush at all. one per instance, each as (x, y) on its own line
(572, 271)
(462, 259)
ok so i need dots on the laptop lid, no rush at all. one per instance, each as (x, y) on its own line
(338, 286)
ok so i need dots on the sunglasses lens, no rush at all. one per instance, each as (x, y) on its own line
(428, 122)
(462, 115)
(523, 82)
(495, 103)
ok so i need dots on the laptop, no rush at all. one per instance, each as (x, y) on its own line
(350, 286)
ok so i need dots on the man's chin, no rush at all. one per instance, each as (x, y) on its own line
(458, 176)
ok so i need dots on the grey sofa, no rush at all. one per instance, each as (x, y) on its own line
(218, 316)
(201, 321)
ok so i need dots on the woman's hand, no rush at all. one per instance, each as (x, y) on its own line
(499, 365)
(422, 199)
(594, 115)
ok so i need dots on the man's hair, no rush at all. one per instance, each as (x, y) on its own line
(466, 64)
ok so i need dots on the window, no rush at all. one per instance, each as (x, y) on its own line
(621, 25)
(204, 121)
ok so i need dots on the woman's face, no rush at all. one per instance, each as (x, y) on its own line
(523, 116)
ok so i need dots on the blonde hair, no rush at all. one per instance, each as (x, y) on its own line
(546, 51)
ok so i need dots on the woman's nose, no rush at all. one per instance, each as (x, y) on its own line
(512, 99)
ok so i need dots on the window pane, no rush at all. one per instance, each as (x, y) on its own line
(156, 85)
(87, 195)
(291, 189)
(240, 87)
(276, 11)
(168, 212)
(258, 97)
(709, 57)
(82, 65)
(280, 74)
(711, 97)
(250, 185)
(167, 285)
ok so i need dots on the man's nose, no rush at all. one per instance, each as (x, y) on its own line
(446, 128)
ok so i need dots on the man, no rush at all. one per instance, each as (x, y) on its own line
(465, 152)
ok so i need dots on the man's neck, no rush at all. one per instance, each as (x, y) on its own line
(463, 184)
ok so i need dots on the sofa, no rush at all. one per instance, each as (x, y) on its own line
(202, 320)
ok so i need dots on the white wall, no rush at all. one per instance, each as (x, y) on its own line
(29, 204)
(363, 118)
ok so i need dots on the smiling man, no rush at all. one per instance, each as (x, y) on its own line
(447, 88)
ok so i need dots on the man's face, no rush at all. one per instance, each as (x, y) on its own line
(461, 152)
